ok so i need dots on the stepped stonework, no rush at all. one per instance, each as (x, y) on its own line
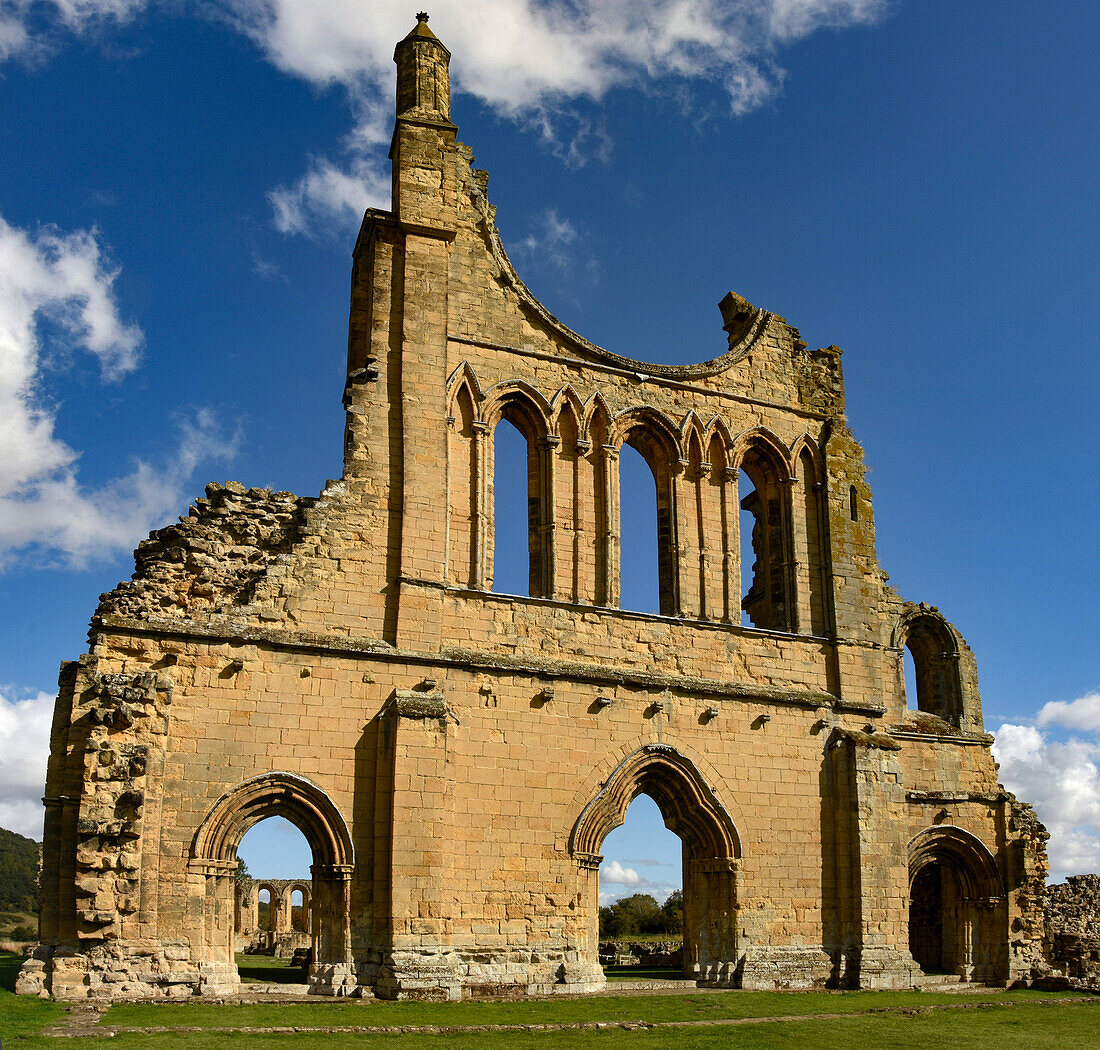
(455, 756)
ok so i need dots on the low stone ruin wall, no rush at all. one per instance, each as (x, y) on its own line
(641, 953)
(279, 945)
(1072, 939)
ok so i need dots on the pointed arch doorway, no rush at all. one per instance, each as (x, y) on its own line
(957, 907)
(711, 854)
(214, 860)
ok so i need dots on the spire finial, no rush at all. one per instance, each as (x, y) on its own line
(423, 83)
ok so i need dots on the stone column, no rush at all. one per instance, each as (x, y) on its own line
(867, 805)
(419, 961)
(481, 512)
(586, 974)
(678, 600)
(548, 563)
(612, 568)
(731, 544)
(332, 971)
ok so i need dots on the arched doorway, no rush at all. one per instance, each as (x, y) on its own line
(957, 916)
(214, 858)
(641, 897)
(711, 854)
(299, 907)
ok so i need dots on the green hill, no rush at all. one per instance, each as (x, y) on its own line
(18, 873)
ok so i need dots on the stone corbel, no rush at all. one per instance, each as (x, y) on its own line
(414, 703)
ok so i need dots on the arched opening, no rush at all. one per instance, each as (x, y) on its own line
(720, 600)
(710, 855)
(299, 910)
(747, 527)
(909, 675)
(641, 919)
(926, 904)
(271, 853)
(573, 506)
(811, 570)
(265, 913)
(932, 682)
(462, 495)
(511, 510)
(649, 435)
(640, 589)
(957, 920)
(766, 556)
(328, 851)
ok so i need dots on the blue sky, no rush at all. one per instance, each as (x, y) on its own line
(916, 183)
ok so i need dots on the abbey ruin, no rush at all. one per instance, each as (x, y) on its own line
(456, 756)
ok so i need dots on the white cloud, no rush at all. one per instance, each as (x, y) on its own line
(548, 240)
(528, 60)
(331, 196)
(56, 297)
(29, 28)
(535, 63)
(1062, 781)
(1082, 713)
(24, 748)
(613, 872)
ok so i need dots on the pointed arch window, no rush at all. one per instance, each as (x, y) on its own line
(935, 667)
(658, 450)
(521, 511)
(768, 598)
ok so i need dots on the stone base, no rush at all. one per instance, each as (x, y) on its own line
(886, 968)
(450, 974)
(771, 968)
(133, 971)
(33, 976)
(338, 979)
(420, 975)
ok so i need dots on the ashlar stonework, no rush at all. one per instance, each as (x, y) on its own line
(455, 756)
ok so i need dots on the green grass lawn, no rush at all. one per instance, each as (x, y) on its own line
(20, 1016)
(976, 1023)
(612, 1009)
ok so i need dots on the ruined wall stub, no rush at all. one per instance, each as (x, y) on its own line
(455, 756)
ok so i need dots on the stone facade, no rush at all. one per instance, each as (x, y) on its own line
(456, 756)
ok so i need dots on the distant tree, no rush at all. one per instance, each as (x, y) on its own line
(638, 913)
(242, 870)
(672, 913)
(606, 915)
(18, 872)
(24, 933)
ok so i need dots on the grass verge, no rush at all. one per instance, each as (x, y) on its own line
(617, 1009)
(1036, 1027)
(21, 1016)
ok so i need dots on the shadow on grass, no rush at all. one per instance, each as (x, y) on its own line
(643, 973)
(266, 969)
(9, 970)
